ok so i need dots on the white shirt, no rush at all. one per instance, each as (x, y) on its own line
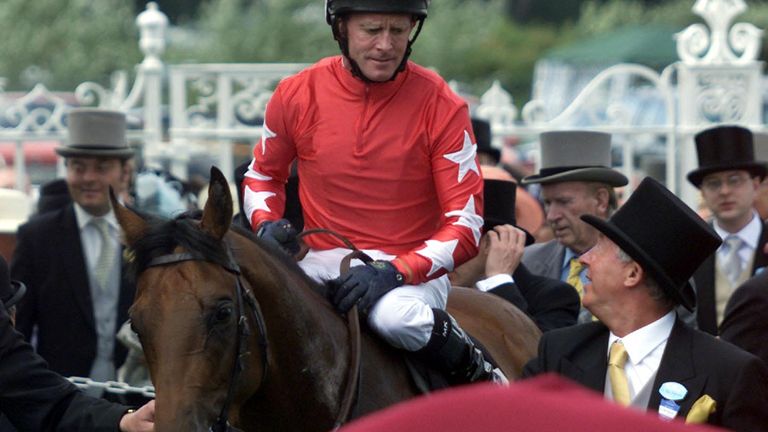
(645, 346)
(749, 235)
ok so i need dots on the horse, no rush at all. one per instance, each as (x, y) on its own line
(234, 333)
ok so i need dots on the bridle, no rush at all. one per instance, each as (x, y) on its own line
(242, 295)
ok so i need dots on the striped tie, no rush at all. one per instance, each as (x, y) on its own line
(106, 260)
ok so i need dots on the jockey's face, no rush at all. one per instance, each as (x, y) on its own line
(377, 42)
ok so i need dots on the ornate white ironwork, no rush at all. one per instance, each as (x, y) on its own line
(223, 100)
(152, 24)
(697, 45)
(496, 106)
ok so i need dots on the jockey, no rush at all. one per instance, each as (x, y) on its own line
(386, 157)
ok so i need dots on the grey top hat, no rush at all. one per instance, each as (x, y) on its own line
(576, 156)
(96, 133)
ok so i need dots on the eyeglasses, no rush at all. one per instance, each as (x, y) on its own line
(714, 184)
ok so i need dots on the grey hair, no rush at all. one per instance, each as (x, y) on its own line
(654, 289)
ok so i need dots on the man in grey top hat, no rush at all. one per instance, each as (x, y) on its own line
(729, 178)
(576, 180)
(71, 260)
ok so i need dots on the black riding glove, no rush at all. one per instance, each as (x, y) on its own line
(364, 285)
(281, 233)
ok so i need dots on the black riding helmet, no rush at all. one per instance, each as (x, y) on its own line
(334, 9)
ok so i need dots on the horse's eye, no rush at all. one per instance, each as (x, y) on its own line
(224, 313)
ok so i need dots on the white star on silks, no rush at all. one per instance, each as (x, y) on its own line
(440, 253)
(266, 133)
(256, 201)
(469, 218)
(252, 173)
(465, 157)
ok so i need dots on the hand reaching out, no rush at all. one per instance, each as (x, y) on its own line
(141, 420)
(504, 246)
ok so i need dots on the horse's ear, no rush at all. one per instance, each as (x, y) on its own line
(134, 226)
(217, 214)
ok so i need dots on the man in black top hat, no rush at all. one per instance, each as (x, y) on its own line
(496, 269)
(729, 178)
(71, 259)
(36, 399)
(640, 353)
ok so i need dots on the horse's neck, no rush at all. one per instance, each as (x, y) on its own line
(306, 337)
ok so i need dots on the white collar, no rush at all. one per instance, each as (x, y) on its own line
(84, 218)
(749, 234)
(644, 340)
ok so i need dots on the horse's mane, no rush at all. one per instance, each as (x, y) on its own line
(165, 235)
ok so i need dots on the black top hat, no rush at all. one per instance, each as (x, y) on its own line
(499, 206)
(724, 148)
(10, 291)
(54, 195)
(658, 231)
(482, 130)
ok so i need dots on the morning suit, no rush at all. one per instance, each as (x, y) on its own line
(745, 322)
(549, 302)
(36, 399)
(735, 379)
(704, 283)
(49, 259)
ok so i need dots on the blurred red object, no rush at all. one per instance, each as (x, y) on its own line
(548, 403)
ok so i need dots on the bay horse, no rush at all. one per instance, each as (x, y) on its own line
(235, 333)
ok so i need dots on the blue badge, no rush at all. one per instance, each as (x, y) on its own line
(668, 409)
(673, 391)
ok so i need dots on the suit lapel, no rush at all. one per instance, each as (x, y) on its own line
(75, 265)
(589, 365)
(677, 365)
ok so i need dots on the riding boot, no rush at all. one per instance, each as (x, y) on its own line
(451, 351)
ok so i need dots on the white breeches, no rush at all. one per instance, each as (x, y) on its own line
(403, 316)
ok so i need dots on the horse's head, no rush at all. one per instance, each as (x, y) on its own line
(194, 314)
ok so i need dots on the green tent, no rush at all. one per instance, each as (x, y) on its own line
(650, 45)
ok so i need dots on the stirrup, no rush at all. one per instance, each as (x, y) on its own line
(498, 377)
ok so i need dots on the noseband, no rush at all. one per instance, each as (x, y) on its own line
(241, 295)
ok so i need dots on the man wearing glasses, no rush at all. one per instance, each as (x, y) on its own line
(728, 178)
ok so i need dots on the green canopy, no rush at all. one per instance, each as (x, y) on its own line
(650, 45)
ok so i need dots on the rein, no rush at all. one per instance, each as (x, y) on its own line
(353, 319)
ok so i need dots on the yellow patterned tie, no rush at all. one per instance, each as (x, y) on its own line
(619, 384)
(574, 276)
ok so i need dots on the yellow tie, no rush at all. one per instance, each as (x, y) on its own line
(619, 385)
(574, 276)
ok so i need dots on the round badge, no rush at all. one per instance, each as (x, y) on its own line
(673, 391)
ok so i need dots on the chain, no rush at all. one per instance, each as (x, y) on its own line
(115, 387)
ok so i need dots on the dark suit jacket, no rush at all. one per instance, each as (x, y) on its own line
(549, 302)
(745, 323)
(36, 399)
(704, 279)
(735, 379)
(49, 259)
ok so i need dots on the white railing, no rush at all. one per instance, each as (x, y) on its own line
(212, 107)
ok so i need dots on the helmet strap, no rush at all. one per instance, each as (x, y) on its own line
(343, 42)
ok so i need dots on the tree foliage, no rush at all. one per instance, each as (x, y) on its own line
(65, 42)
